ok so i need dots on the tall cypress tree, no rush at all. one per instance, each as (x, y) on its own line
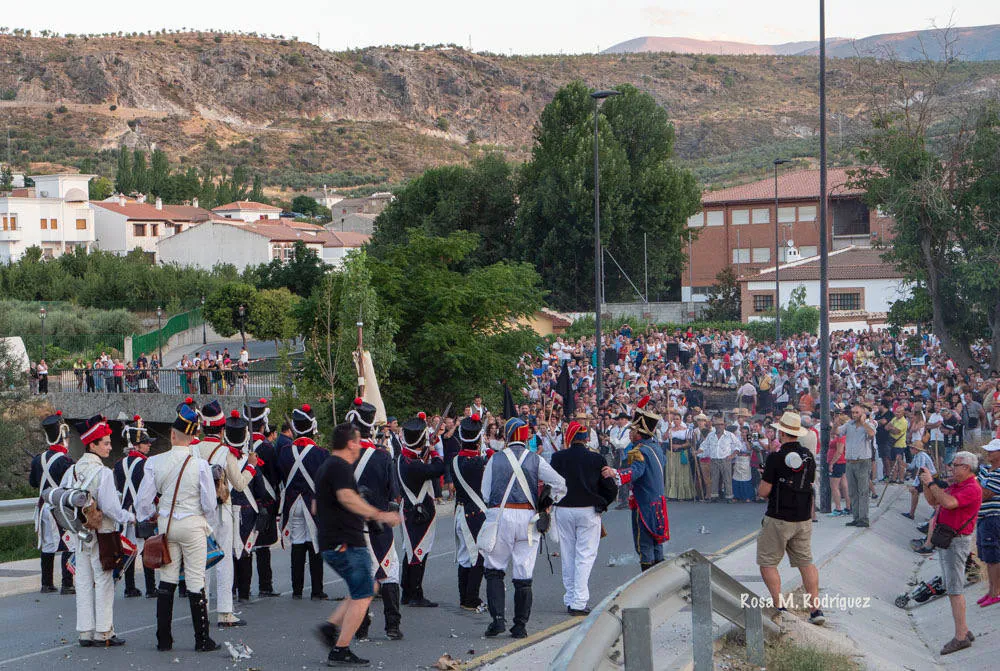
(124, 181)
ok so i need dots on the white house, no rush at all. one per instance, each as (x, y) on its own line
(325, 197)
(248, 211)
(53, 215)
(862, 288)
(245, 244)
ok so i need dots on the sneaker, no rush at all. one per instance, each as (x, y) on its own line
(344, 657)
(874, 495)
(319, 596)
(49, 589)
(69, 589)
(852, 523)
(834, 513)
(816, 617)
(954, 645)
(924, 550)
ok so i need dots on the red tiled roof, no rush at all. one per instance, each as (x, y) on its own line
(188, 213)
(558, 320)
(799, 185)
(850, 263)
(344, 239)
(248, 205)
(133, 210)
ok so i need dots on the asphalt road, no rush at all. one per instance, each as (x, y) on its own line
(39, 631)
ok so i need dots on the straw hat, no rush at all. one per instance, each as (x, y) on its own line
(791, 424)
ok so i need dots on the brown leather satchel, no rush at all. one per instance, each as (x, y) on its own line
(109, 549)
(155, 553)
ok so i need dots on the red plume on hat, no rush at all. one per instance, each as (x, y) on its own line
(306, 407)
(643, 401)
(234, 414)
(358, 400)
(422, 415)
(475, 417)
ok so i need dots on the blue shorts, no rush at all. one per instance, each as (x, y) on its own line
(354, 565)
(839, 470)
(901, 452)
(988, 539)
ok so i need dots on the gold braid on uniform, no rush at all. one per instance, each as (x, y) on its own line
(635, 454)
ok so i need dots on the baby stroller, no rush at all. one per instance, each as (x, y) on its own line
(922, 593)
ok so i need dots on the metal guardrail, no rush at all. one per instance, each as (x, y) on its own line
(622, 624)
(17, 511)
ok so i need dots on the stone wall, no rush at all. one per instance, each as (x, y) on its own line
(152, 407)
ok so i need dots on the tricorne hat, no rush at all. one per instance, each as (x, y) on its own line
(790, 423)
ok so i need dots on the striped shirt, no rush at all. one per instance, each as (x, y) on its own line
(990, 479)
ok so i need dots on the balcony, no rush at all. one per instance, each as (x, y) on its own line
(851, 218)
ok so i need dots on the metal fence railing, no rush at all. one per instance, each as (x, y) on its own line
(150, 342)
(254, 382)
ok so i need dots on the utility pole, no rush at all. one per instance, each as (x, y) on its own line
(824, 284)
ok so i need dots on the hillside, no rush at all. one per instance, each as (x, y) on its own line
(304, 117)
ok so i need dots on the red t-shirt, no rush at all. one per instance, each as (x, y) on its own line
(963, 517)
(834, 446)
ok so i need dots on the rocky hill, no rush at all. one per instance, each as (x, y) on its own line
(304, 116)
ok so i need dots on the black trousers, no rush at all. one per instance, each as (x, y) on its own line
(412, 579)
(265, 579)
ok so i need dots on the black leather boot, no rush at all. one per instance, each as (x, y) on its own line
(199, 617)
(316, 573)
(182, 590)
(48, 572)
(390, 607)
(417, 598)
(522, 608)
(149, 575)
(298, 569)
(496, 598)
(463, 589)
(243, 576)
(404, 580)
(130, 589)
(265, 578)
(473, 583)
(165, 616)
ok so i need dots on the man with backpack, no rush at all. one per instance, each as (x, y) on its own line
(787, 484)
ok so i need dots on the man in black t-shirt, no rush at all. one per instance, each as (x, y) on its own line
(787, 483)
(882, 438)
(341, 514)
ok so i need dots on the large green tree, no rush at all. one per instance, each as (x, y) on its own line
(221, 309)
(457, 324)
(479, 197)
(645, 197)
(273, 316)
(300, 274)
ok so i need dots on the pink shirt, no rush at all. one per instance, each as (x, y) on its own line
(970, 497)
(119, 369)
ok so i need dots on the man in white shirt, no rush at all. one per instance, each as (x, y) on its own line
(620, 440)
(720, 446)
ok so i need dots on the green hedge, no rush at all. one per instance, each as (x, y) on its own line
(797, 320)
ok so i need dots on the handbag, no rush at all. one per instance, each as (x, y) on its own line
(944, 534)
(109, 549)
(155, 552)
(214, 553)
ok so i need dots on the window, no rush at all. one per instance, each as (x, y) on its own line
(741, 255)
(53, 224)
(10, 222)
(263, 216)
(154, 230)
(806, 251)
(139, 230)
(696, 220)
(45, 224)
(701, 291)
(81, 224)
(715, 218)
(762, 215)
(807, 213)
(761, 254)
(5, 222)
(741, 217)
(763, 302)
(845, 301)
(786, 215)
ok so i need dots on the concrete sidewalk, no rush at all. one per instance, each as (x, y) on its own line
(21, 577)
(843, 555)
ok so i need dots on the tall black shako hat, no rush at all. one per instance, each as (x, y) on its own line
(135, 432)
(362, 416)
(212, 418)
(470, 431)
(415, 433)
(256, 412)
(303, 421)
(237, 430)
(644, 421)
(187, 417)
(56, 430)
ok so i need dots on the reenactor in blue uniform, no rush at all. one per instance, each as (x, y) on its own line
(470, 510)
(128, 473)
(47, 470)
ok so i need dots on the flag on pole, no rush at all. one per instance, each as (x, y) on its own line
(509, 409)
(565, 389)
(370, 386)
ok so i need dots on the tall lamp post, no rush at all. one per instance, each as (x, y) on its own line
(204, 332)
(41, 315)
(777, 260)
(824, 267)
(243, 335)
(159, 333)
(598, 96)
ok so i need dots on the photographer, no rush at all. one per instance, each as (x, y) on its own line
(958, 508)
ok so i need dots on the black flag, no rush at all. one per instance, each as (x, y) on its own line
(509, 409)
(565, 389)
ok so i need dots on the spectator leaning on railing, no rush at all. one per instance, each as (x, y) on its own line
(958, 508)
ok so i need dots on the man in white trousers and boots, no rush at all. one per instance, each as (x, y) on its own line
(186, 504)
(509, 534)
(578, 514)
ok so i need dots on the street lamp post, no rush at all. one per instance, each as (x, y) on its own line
(777, 261)
(598, 96)
(824, 269)
(243, 335)
(204, 331)
(159, 333)
(41, 315)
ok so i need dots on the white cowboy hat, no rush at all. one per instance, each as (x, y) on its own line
(791, 424)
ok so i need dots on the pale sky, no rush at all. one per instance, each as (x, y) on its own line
(518, 26)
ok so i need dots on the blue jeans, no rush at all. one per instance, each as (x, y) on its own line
(354, 565)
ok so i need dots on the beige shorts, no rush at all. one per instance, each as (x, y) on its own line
(778, 537)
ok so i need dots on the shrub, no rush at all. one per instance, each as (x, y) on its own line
(62, 109)
(8, 94)
(442, 123)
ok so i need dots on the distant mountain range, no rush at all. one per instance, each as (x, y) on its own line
(977, 43)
